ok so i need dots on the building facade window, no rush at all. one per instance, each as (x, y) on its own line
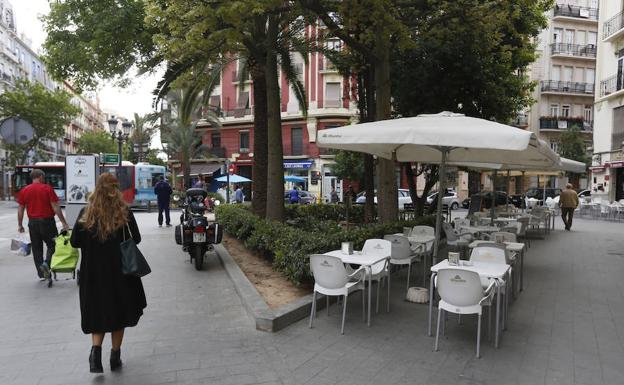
(215, 139)
(243, 137)
(296, 141)
(554, 146)
(332, 94)
(588, 112)
(554, 110)
(565, 111)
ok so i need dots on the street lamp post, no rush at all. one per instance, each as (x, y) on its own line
(119, 135)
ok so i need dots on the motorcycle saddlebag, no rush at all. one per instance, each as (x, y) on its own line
(218, 233)
(178, 234)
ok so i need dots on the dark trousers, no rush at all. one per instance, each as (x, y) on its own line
(42, 230)
(566, 214)
(163, 206)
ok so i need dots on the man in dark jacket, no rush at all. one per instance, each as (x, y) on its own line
(163, 193)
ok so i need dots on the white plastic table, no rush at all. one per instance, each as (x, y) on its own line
(366, 260)
(495, 271)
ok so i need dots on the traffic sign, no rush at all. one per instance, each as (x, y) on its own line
(110, 158)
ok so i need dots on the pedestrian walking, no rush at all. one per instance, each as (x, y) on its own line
(41, 204)
(333, 196)
(238, 194)
(351, 194)
(163, 194)
(200, 182)
(568, 202)
(109, 300)
(294, 195)
(223, 192)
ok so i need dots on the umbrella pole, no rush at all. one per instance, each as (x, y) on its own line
(523, 203)
(493, 205)
(442, 180)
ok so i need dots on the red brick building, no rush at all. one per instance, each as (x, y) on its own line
(331, 101)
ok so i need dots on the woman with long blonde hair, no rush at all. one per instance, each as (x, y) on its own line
(109, 300)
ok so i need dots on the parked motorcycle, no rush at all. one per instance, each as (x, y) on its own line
(196, 232)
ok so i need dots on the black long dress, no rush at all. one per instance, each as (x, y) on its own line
(109, 300)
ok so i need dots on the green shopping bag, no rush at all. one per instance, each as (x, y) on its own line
(65, 257)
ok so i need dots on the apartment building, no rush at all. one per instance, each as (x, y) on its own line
(608, 156)
(331, 101)
(566, 73)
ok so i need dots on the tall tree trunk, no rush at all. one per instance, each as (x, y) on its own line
(259, 201)
(367, 97)
(387, 197)
(411, 185)
(275, 173)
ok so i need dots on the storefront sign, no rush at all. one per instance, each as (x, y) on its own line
(617, 164)
(298, 164)
(597, 169)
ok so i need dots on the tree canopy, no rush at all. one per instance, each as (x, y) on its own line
(47, 111)
(96, 142)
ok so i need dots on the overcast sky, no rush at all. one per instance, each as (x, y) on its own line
(125, 101)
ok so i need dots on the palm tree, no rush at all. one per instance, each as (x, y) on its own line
(144, 130)
(181, 133)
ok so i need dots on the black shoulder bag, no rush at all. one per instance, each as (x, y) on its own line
(133, 262)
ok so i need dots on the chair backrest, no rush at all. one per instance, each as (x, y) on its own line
(377, 246)
(507, 236)
(459, 287)
(329, 272)
(489, 252)
(450, 233)
(423, 230)
(400, 246)
(461, 222)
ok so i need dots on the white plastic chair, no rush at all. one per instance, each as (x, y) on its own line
(331, 279)
(402, 253)
(380, 270)
(455, 238)
(428, 254)
(461, 293)
(491, 252)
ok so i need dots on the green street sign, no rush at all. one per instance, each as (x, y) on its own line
(110, 158)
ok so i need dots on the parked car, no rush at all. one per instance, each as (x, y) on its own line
(305, 197)
(538, 193)
(449, 199)
(404, 198)
(584, 195)
(486, 199)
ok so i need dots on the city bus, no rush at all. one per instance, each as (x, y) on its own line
(135, 182)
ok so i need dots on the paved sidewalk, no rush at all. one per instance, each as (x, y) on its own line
(565, 328)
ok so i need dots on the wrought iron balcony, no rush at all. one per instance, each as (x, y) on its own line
(610, 85)
(613, 25)
(578, 12)
(218, 152)
(577, 50)
(521, 120)
(564, 123)
(567, 87)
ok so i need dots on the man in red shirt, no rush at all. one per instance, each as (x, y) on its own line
(41, 203)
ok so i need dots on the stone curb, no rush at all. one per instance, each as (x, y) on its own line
(267, 319)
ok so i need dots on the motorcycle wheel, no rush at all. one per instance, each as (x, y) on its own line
(198, 255)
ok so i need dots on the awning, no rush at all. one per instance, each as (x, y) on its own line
(301, 164)
(615, 164)
(206, 169)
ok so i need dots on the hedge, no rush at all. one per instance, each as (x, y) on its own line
(288, 246)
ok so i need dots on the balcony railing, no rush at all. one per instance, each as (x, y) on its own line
(567, 87)
(613, 25)
(563, 123)
(588, 50)
(579, 12)
(610, 85)
(521, 121)
(218, 152)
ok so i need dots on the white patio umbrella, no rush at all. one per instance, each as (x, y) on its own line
(440, 139)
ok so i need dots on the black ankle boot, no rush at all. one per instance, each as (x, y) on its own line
(95, 360)
(115, 359)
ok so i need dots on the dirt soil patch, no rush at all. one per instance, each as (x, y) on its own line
(273, 286)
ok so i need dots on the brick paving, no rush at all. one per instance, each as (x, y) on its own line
(566, 327)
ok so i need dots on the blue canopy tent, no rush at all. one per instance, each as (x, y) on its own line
(295, 179)
(234, 178)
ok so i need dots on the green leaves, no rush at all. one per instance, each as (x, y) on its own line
(47, 111)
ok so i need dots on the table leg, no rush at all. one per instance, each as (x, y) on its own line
(370, 287)
(497, 314)
(431, 288)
